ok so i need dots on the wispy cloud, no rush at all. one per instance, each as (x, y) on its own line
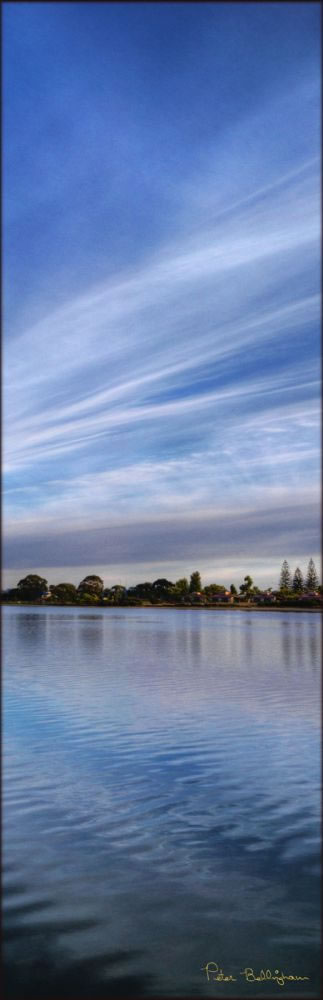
(185, 385)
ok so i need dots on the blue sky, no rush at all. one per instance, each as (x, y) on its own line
(161, 246)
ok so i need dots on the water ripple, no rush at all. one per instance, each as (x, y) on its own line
(161, 793)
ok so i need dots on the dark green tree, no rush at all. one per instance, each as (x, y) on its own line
(312, 580)
(88, 598)
(32, 587)
(247, 586)
(298, 582)
(64, 593)
(181, 586)
(163, 589)
(117, 593)
(12, 594)
(233, 589)
(143, 591)
(195, 582)
(214, 588)
(285, 581)
(91, 584)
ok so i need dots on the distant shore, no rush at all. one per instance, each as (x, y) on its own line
(175, 607)
(294, 593)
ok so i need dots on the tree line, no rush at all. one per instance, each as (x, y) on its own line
(297, 583)
(91, 590)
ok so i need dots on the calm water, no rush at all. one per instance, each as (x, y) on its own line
(161, 801)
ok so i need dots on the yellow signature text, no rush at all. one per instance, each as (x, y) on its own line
(216, 975)
(266, 974)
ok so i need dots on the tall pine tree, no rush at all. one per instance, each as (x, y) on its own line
(298, 582)
(312, 580)
(285, 582)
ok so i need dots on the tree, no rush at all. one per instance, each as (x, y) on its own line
(214, 588)
(195, 582)
(163, 589)
(91, 584)
(285, 582)
(312, 580)
(298, 582)
(32, 587)
(143, 591)
(65, 593)
(246, 587)
(12, 594)
(89, 598)
(233, 589)
(117, 593)
(182, 586)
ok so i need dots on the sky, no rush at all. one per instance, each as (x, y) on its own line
(161, 290)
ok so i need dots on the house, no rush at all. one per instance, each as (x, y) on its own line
(47, 595)
(265, 597)
(222, 597)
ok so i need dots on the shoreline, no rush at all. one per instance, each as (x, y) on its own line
(174, 607)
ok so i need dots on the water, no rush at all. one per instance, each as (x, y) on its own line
(161, 802)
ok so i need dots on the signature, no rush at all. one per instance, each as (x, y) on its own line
(215, 974)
